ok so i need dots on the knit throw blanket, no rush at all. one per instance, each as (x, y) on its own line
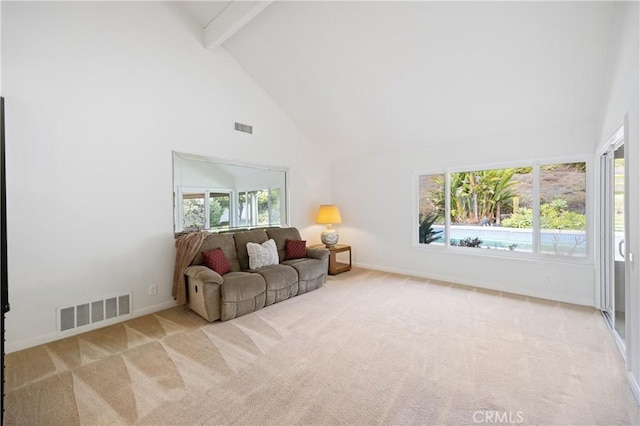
(187, 247)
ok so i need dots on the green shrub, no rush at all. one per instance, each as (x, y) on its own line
(467, 242)
(553, 215)
(521, 218)
(523, 170)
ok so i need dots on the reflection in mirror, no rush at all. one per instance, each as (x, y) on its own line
(215, 194)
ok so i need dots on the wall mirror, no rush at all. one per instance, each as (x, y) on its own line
(215, 194)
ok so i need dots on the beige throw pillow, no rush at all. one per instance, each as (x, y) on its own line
(264, 254)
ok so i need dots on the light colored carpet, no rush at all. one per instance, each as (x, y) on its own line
(366, 348)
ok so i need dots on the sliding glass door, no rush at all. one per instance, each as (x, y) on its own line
(612, 234)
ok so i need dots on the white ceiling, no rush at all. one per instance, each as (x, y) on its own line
(363, 77)
(203, 12)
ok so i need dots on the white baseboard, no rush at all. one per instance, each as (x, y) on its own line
(51, 337)
(154, 308)
(483, 284)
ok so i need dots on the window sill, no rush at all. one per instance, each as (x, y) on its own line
(505, 254)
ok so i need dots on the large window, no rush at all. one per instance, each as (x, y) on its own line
(563, 223)
(431, 207)
(538, 209)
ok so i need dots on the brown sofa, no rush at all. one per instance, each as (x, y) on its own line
(243, 290)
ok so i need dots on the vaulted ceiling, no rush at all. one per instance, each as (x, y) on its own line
(362, 77)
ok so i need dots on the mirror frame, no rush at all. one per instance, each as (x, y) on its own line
(284, 222)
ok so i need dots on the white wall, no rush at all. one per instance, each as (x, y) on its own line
(98, 95)
(376, 195)
(620, 100)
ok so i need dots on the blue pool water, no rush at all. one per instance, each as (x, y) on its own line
(552, 241)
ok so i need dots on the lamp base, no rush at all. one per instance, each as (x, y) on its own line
(329, 237)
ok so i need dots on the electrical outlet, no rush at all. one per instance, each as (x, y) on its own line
(153, 290)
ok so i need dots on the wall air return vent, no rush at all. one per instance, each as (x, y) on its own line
(85, 314)
(244, 128)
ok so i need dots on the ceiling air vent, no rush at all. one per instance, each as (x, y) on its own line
(244, 128)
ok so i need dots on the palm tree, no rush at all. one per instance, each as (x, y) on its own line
(496, 189)
(503, 191)
(426, 233)
(475, 195)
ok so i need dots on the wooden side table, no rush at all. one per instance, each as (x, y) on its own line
(336, 267)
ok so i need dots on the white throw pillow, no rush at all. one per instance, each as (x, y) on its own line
(264, 254)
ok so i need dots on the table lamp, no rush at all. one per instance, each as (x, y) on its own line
(329, 215)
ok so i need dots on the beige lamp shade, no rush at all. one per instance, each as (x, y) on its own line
(329, 214)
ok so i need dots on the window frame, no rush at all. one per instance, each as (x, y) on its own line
(207, 192)
(256, 188)
(588, 259)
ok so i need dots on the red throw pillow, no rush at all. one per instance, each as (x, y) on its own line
(296, 249)
(216, 260)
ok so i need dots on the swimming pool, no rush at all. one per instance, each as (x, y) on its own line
(552, 241)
